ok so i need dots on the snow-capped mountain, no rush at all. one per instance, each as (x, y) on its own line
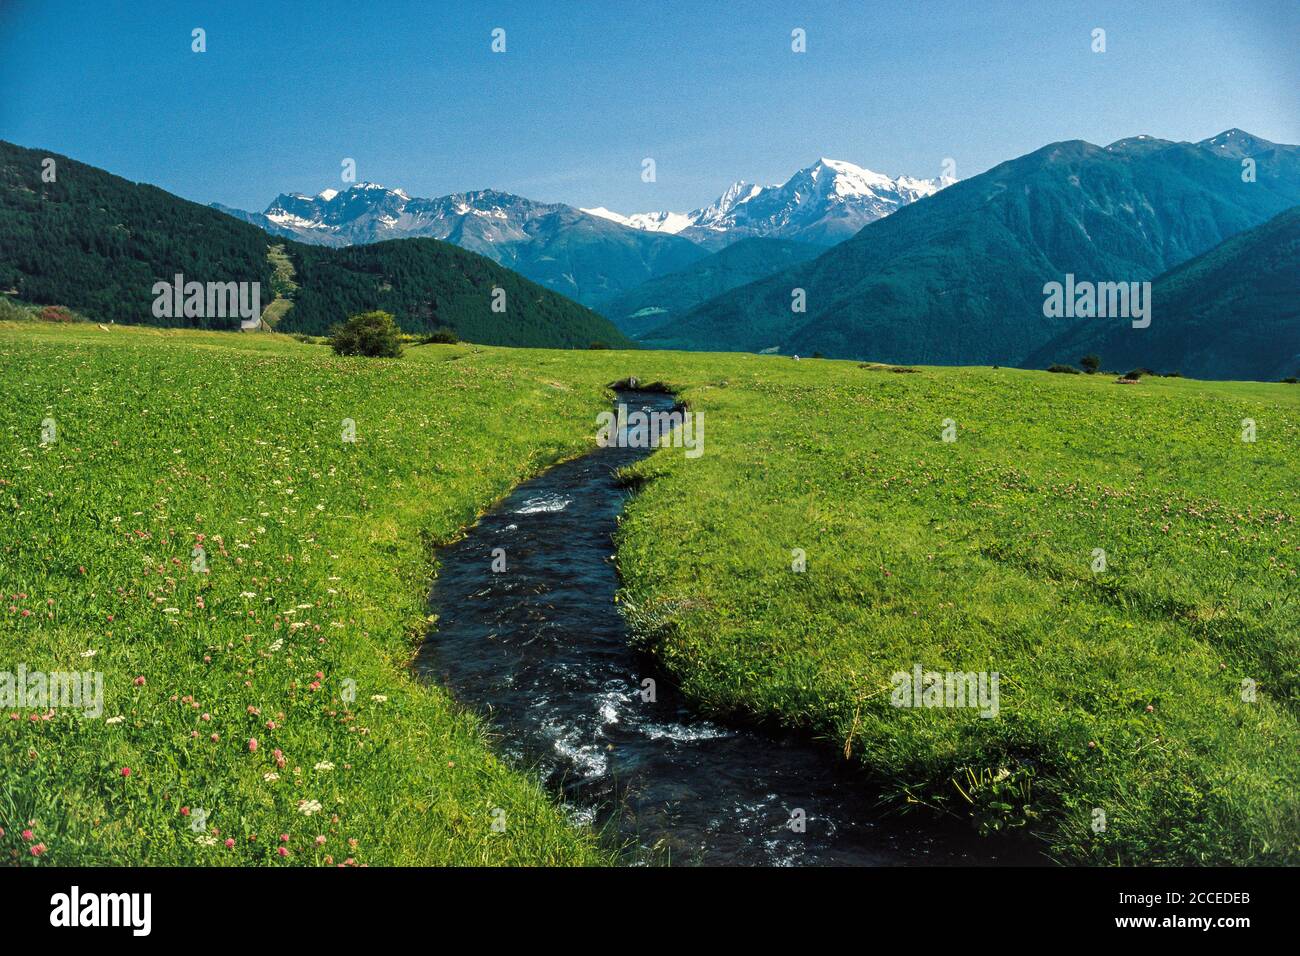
(824, 204)
(594, 254)
(585, 257)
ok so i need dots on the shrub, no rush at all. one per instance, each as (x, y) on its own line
(56, 313)
(1063, 369)
(373, 334)
(1090, 363)
(11, 311)
(598, 345)
(442, 336)
(1134, 375)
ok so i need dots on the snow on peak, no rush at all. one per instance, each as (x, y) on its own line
(669, 222)
(831, 198)
(603, 213)
(327, 194)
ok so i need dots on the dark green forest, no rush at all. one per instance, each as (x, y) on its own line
(97, 243)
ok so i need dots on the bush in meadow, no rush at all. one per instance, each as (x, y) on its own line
(442, 336)
(373, 334)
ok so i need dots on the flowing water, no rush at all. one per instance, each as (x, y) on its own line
(543, 651)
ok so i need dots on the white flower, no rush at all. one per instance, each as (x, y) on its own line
(324, 765)
(115, 720)
(380, 698)
(308, 807)
(279, 643)
(247, 594)
(271, 777)
(206, 840)
(171, 610)
(90, 653)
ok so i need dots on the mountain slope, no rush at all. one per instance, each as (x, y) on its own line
(958, 277)
(1233, 312)
(653, 303)
(99, 243)
(825, 203)
(585, 257)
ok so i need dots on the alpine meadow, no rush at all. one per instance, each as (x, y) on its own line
(689, 439)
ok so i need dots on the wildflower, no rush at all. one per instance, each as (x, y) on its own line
(229, 843)
(29, 836)
(308, 807)
(126, 771)
(320, 840)
(38, 849)
(139, 681)
(324, 765)
(115, 720)
(270, 776)
(215, 737)
(282, 851)
(252, 745)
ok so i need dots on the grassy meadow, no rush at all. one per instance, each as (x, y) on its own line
(1121, 690)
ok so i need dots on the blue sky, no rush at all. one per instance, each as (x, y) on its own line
(585, 91)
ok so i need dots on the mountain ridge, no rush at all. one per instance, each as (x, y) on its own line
(584, 257)
(958, 279)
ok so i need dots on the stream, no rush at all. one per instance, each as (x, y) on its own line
(541, 649)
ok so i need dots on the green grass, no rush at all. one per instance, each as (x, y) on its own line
(977, 556)
(319, 560)
(973, 555)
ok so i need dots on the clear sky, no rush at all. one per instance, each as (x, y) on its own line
(585, 91)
